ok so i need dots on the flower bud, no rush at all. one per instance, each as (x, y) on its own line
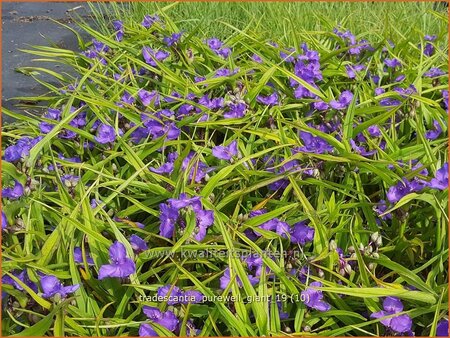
(348, 268)
(316, 173)
(34, 184)
(321, 273)
(26, 191)
(332, 246)
(376, 238)
(351, 249)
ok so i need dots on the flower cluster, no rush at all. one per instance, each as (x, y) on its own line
(305, 159)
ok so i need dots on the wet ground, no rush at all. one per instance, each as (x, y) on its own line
(25, 24)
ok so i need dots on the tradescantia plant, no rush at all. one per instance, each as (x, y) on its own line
(188, 186)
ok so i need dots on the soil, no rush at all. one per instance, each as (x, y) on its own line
(30, 23)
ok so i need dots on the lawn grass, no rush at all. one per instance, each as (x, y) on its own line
(278, 20)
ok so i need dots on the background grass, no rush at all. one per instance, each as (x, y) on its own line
(279, 19)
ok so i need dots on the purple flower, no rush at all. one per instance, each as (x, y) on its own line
(165, 168)
(225, 152)
(170, 293)
(344, 100)
(379, 91)
(99, 46)
(301, 233)
(52, 286)
(197, 167)
(70, 181)
(168, 217)
(381, 208)
(445, 97)
(405, 92)
(434, 72)
(440, 182)
(361, 150)
(199, 79)
(352, 70)
(314, 298)
(23, 277)
(392, 63)
(138, 134)
(166, 319)
(137, 244)
(212, 104)
(275, 224)
(442, 328)
(270, 100)
(118, 26)
(14, 153)
(105, 134)
(78, 256)
(159, 128)
(225, 72)
(257, 58)
(313, 144)
(389, 101)
(121, 266)
(150, 56)
(204, 219)
(223, 52)
(434, 133)
(149, 20)
(428, 49)
(321, 105)
(214, 43)
(400, 323)
(127, 98)
(287, 57)
(254, 263)
(400, 78)
(4, 221)
(374, 131)
(375, 79)
(401, 189)
(216, 46)
(173, 39)
(184, 201)
(52, 114)
(192, 296)
(149, 97)
(14, 192)
(226, 279)
(235, 111)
